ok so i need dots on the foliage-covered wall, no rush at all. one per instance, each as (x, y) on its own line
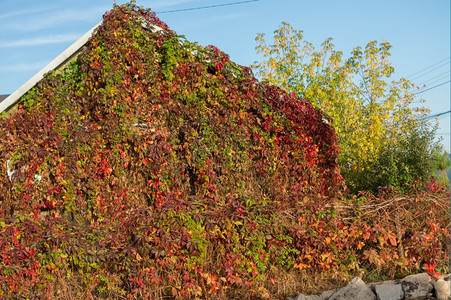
(145, 123)
(149, 119)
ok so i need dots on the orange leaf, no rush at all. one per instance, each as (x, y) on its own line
(392, 239)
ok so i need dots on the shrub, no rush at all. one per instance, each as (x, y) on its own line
(415, 156)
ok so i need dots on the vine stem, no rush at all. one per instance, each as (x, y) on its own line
(399, 235)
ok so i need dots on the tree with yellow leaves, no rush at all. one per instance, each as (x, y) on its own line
(372, 114)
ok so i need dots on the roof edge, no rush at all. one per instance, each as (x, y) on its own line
(59, 60)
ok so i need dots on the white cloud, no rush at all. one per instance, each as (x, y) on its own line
(41, 40)
(24, 67)
(18, 13)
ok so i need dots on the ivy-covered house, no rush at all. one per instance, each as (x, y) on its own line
(98, 65)
(136, 153)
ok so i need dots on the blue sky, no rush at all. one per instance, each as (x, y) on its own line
(33, 32)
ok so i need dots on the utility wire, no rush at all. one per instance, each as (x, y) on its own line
(204, 7)
(436, 115)
(437, 78)
(433, 87)
(428, 67)
(430, 71)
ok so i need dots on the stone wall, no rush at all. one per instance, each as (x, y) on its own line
(419, 286)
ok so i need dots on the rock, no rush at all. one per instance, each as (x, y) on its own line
(323, 296)
(389, 291)
(442, 288)
(306, 297)
(445, 277)
(413, 287)
(417, 286)
(372, 285)
(355, 289)
(326, 294)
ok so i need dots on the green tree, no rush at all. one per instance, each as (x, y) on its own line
(441, 163)
(371, 113)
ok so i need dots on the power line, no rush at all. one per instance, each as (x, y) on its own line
(428, 67)
(436, 115)
(430, 71)
(205, 7)
(433, 87)
(436, 78)
(442, 117)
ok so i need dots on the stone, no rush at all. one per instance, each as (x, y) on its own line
(326, 294)
(298, 297)
(323, 296)
(413, 287)
(306, 297)
(445, 277)
(372, 285)
(442, 288)
(389, 291)
(417, 287)
(355, 289)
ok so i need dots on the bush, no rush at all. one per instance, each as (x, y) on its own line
(414, 156)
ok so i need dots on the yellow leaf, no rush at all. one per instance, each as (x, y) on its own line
(381, 240)
(360, 245)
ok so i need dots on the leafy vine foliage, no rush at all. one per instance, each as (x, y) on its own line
(150, 166)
